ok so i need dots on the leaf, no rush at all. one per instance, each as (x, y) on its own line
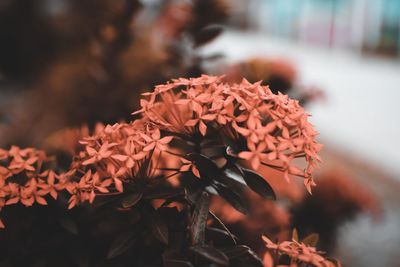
(159, 228)
(131, 200)
(69, 225)
(219, 237)
(199, 219)
(212, 254)
(207, 34)
(258, 184)
(311, 240)
(121, 244)
(165, 193)
(236, 252)
(174, 259)
(207, 167)
(177, 263)
(231, 197)
(221, 224)
(213, 57)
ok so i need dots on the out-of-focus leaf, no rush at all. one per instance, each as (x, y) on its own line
(258, 184)
(159, 228)
(131, 200)
(295, 235)
(207, 34)
(212, 254)
(311, 240)
(336, 262)
(121, 244)
(69, 225)
(231, 197)
(199, 219)
(213, 57)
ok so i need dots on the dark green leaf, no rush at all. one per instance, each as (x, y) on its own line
(212, 254)
(121, 244)
(231, 197)
(206, 35)
(131, 200)
(199, 219)
(258, 184)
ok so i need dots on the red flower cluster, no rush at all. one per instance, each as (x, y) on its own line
(25, 178)
(120, 154)
(274, 127)
(247, 119)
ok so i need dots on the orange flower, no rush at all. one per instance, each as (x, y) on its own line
(255, 155)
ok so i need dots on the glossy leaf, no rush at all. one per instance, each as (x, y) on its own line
(258, 184)
(232, 198)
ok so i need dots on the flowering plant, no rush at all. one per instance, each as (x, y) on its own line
(194, 137)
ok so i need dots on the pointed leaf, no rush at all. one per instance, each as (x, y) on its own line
(258, 184)
(231, 197)
(212, 254)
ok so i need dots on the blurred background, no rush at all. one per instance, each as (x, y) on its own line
(68, 64)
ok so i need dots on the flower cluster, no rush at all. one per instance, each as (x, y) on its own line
(120, 154)
(246, 120)
(257, 125)
(25, 177)
(298, 252)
